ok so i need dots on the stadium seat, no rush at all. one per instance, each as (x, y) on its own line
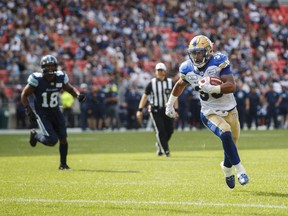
(100, 80)
(81, 64)
(8, 92)
(149, 66)
(69, 63)
(188, 35)
(4, 75)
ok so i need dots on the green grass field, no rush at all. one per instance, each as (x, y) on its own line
(119, 174)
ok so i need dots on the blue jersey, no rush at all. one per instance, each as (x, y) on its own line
(217, 66)
(47, 93)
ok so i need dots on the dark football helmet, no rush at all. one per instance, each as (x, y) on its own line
(49, 65)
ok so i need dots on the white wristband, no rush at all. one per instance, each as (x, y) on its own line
(172, 99)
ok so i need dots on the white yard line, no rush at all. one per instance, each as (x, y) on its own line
(131, 202)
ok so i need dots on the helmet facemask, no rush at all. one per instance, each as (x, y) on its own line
(49, 69)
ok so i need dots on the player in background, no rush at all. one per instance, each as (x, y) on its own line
(46, 87)
(218, 105)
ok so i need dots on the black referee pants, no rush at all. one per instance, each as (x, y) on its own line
(164, 127)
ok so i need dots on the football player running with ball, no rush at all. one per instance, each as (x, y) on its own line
(45, 111)
(218, 105)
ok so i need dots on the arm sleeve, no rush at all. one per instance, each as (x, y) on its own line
(148, 89)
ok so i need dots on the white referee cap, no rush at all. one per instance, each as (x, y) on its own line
(83, 85)
(160, 66)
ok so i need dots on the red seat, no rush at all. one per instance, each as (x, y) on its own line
(95, 80)
(188, 35)
(8, 92)
(149, 66)
(171, 44)
(104, 80)
(69, 63)
(81, 64)
(4, 75)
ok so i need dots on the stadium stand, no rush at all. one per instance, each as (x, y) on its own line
(121, 39)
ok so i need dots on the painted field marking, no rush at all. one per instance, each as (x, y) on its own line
(131, 202)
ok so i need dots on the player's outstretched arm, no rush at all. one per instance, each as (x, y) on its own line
(176, 92)
(74, 92)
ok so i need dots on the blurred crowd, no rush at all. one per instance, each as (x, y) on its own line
(111, 48)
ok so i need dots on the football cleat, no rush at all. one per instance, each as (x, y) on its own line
(229, 177)
(230, 181)
(243, 179)
(33, 140)
(159, 153)
(167, 154)
(64, 167)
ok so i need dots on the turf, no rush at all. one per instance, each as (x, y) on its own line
(118, 173)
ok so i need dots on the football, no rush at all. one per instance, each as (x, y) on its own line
(215, 81)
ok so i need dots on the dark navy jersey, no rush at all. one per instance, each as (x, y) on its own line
(47, 93)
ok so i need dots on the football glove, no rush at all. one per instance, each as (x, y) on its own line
(205, 86)
(31, 115)
(81, 98)
(170, 111)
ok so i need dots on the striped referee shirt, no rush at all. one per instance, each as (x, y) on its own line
(159, 91)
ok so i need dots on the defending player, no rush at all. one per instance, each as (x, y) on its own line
(218, 105)
(46, 86)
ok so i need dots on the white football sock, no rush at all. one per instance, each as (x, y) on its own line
(239, 169)
(227, 171)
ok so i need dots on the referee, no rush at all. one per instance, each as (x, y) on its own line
(158, 91)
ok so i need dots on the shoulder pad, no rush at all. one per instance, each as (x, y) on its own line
(33, 79)
(63, 74)
(37, 74)
(59, 73)
(220, 60)
(186, 67)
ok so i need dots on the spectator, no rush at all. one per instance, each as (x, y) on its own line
(132, 99)
(253, 107)
(183, 111)
(242, 103)
(84, 107)
(127, 37)
(97, 108)
(282, 105)
(111, 102)
(20, 109)
(271, 99)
